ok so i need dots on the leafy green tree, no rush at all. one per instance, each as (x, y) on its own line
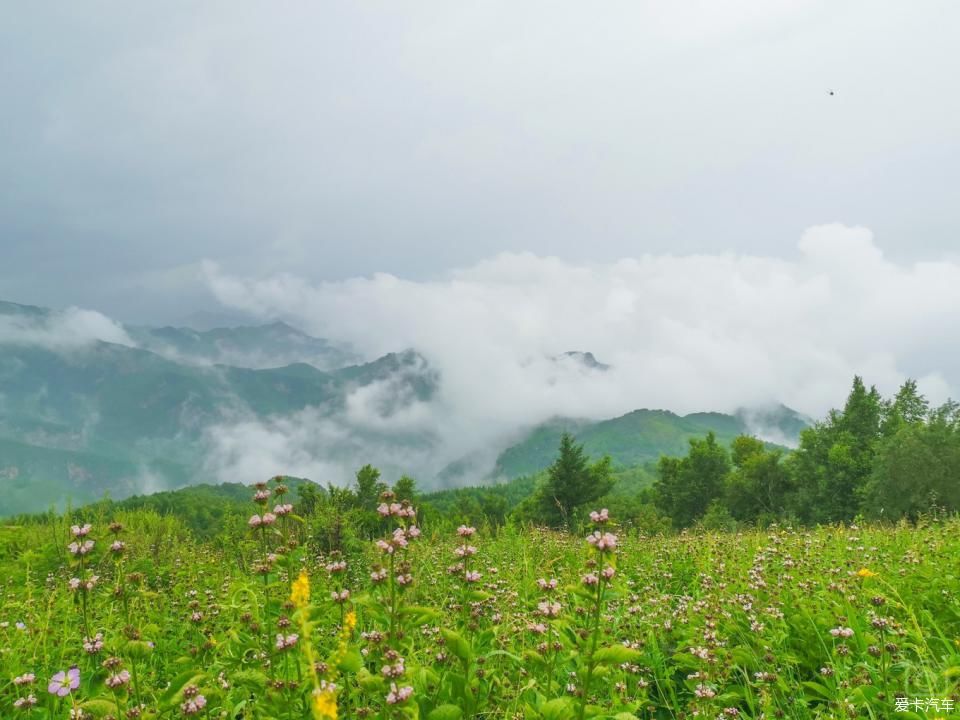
(686, 486)
(718, 518)
(908, 407)
(759, 487)
(916, 467)
(405, 489)
(309, 497)
(369, 488)
(572, 482)
(366, 498)
(835, 459)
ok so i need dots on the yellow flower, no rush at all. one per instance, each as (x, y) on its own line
(350, 621)
(866, 573)
(300, 595)
(324, 705)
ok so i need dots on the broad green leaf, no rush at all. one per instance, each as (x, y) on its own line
(557, 709)
(445, 712)
(616, 655)
(456, 644)
(100, 707)
(351, 662)
(191, 677)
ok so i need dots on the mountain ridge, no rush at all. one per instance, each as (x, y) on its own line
(81, 416)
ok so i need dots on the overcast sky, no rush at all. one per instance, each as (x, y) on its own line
(340, 139)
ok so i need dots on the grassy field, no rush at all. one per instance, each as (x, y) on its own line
(441, 623)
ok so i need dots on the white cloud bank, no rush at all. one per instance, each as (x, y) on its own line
(686, 333)
(62, 330)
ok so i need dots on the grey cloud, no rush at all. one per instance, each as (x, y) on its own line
(340, 139)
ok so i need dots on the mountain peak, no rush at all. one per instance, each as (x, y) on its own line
(586, 359)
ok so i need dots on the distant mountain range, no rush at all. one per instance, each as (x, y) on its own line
(257, 347)
(81, 417)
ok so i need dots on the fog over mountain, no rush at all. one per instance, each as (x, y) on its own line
(685, 332)
(490, 360)
(298, 240)
(89, 406)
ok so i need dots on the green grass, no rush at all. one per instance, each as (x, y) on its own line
(692, 625)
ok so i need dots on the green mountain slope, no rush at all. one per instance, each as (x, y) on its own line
(35, 477)
(638, 437)
(83, 418)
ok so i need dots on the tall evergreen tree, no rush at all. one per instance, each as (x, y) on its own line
(572, 482)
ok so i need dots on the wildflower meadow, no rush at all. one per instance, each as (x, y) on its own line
(131, 616)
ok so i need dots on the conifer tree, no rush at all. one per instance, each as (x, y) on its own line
(572, 482)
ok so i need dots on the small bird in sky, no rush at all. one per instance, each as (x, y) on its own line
(831, 92)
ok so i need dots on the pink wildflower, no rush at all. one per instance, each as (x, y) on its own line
(285, 643)
(602, 542)
(118, 680)
(398, 695)
(600, 517)
(547, 585)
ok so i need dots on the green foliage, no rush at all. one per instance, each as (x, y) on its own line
(369, 488)
(637, 438)
(834, 460)
(718, 518)
(881, 459)
(916, 465)
(572, 482)
(405, 488)
(759, 485)
(686, 486)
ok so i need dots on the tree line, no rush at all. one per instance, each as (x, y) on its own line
(875, 458)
